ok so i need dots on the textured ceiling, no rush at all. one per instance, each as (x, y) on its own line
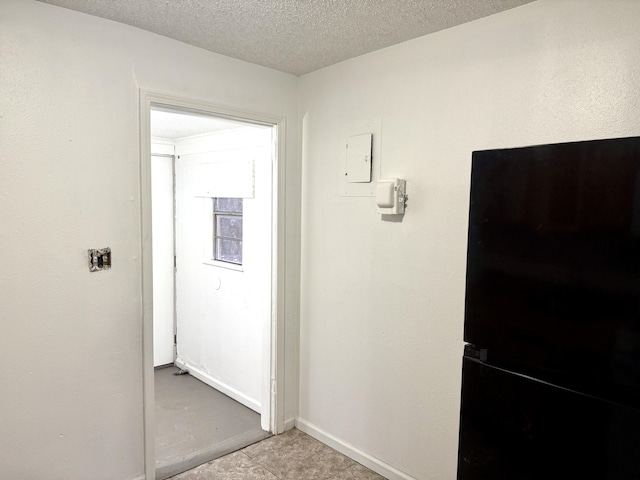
(294, 36)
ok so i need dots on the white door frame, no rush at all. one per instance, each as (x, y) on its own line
(272, 418)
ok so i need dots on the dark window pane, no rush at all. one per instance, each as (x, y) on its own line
(229, 250)
(229, 226)
(228, 205)
(228, 230)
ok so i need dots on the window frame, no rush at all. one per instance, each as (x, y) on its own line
(215, 237)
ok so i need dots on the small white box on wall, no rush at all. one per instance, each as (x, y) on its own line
(391, 196)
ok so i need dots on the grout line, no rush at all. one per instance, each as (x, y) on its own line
(260, 464)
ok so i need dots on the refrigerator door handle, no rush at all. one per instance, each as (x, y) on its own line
(477, 353)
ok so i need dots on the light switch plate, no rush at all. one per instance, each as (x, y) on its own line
(99, 259)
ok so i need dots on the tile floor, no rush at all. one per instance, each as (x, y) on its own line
(290, 456)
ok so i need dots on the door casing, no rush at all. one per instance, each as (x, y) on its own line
(272, 418)
(164, 329)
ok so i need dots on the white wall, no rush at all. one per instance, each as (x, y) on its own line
(223, 312)
(379, 371)
(71, 351)
(381, 302)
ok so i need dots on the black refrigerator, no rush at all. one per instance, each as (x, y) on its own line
(551, 367)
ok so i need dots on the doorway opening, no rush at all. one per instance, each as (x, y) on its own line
(209, 188)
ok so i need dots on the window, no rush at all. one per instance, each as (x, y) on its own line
(227, 230)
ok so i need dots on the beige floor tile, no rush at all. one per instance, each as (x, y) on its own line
(296, 456)
(292, 440)
(357, 472)
(291, 456)
(320, 466)
(235, 466)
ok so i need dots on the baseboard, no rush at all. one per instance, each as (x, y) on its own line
(359, 456)
(139, 477)
(220, 386)
(289, 423)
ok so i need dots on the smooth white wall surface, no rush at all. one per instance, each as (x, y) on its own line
(69, 180)
(382, 302)
(222, 311)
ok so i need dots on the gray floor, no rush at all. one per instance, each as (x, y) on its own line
(290, 456)
(196, 424)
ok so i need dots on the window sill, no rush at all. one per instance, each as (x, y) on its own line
(228, 266)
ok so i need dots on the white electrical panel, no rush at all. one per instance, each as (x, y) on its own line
(358, 164)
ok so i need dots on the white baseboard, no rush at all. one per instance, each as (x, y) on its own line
(289, 423)
(229, 391)
(359, 456)
(139, 477)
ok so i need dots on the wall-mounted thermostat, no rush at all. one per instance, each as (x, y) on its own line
(391, 196)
